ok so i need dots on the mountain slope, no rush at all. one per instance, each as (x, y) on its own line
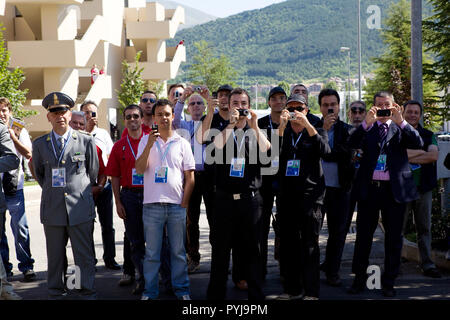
(293, 40)
(193, 16)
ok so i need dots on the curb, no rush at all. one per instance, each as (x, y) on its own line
(410, 251)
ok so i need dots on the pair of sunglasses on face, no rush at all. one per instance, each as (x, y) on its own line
(146, 100)
(357, 110)
(299, 108)
(134, 116)
(199, 103)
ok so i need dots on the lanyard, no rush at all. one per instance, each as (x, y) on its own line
(62, 151)
(295, 144)
(132, 151)
(163, 156)
(242, 142)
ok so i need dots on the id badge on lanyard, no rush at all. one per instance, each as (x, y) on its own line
(136, 179)
(381, 163)
(237, 167)
(161, 172)
(293, 168)
(59, 174)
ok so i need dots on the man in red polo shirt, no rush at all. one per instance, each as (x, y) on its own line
(127, 188)
(147, 101)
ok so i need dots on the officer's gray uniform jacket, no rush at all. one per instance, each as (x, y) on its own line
(73, 204)
(8, 159)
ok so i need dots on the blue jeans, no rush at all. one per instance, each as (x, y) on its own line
(155, 216)
(19, 227)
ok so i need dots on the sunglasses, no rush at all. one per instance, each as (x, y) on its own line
(357, 110)
(134, 116)
(146, 100)
(299, 108)
(199, 103)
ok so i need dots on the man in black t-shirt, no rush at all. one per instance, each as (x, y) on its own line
(237, 214)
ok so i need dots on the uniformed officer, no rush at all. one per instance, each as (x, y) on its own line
(65, 163)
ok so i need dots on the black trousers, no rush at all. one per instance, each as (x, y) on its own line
(336, 205)
(104, 204)
(269, 190)
(201, 189)
(300, 224)
(236, 224)
(380, 198)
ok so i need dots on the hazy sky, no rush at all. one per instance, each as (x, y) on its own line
(224, 8)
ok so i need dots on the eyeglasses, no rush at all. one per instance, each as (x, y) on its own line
(146, 100)
(199, 103)
(357, 110)
(135, 116)
(299, 108)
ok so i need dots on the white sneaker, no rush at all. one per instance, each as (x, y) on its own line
(145, 298)
(185, 297)
(9, 294)
(285, 296)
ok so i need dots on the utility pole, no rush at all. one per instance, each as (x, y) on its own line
(256, 94)
(416, 53)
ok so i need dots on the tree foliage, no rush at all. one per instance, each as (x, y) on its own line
(209, 70)
(132, 84)
(10, 81)
(393, 72)
(436, 34)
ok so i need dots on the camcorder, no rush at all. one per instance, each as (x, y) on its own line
(383, 113)
(243, 112)
(155, 127)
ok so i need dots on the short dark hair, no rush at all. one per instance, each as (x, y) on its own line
(150, 92)
(299, 85)
(383, 94)
(133, 107)
(175, 85)
(239, 91)
(328, 92)
(413, 102)
(85, 103)
(358, 102)
(162, 102)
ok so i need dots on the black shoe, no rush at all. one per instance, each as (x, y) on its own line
(389, 291)
(334, 281)
(357, 287)
(113, 265)
(432, 272)
(29, 276)
(140, 287)
(323, 266)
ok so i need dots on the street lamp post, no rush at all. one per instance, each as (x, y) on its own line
(256, 94)
(343, 49)
(359, 50)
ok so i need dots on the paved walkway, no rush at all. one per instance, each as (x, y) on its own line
(411, 284)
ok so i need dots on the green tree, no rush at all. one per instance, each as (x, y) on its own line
(157, 87)
(285, 85)
(10, 81)
(331, 85)
(209, 70)
(393, 72)
(132, 84)
(436, 35)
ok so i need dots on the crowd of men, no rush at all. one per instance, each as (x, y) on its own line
(164, 165)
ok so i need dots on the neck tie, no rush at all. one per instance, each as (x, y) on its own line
(61, 144)
(383, 130)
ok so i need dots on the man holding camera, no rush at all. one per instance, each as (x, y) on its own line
(302, 190)
(237, 217)
(338, 171)
(385, 183)
(13, 189)
(166, 161)
(303, 91)
(103, 194)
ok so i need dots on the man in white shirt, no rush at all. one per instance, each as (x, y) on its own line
(166, 161)
(104, 201)
(15, 201)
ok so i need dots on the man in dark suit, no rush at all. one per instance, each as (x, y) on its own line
(385, 183)
(338, 171)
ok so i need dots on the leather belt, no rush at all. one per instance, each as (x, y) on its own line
(135, 190)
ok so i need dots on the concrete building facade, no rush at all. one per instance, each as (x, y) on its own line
(56, 43)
